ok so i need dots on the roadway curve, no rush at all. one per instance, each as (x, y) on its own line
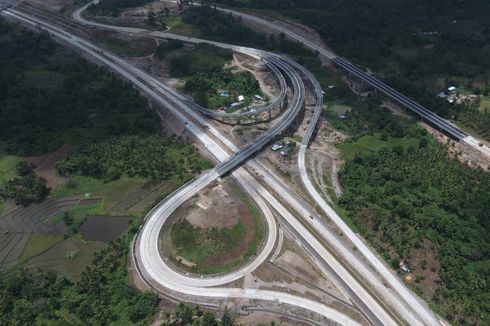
(403, 294)
(322, 254)
(249, 183)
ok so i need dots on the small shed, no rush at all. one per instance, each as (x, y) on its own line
(277, 147)
(441, 95)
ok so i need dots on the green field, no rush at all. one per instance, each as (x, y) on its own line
(39, 243)
(177, 26)
(197, 245)
(7, 170)
(259, 225)
(366, 144)
(110, 192)
(485, 103)
(136, 47)
(7, 166)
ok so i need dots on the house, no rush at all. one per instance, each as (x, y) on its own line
(331, 86)
(277, 147)
(451, 89)
(258, 97)
(235, 105)
(404, 267)
(241, 98)
(441, 95)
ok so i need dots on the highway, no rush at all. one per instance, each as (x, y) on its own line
(404, 101)
(176, 104)
(277, 103)
(427, 115)
(184, 192)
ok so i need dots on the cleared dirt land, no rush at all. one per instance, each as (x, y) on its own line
(215, 232)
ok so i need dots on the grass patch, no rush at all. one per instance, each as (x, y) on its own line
(76, 216)
(373, 143)
(7, 166)
(110, 192)
(176, 25)
(485, 104)
(136, 47)
(42, 78)
(259, 227)
(197, 245)
(39, 243)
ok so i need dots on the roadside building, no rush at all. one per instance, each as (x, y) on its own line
(277, 147)
(441, 95)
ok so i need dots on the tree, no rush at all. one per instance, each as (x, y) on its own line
(23, 168)
(151, 18)
(226, 320)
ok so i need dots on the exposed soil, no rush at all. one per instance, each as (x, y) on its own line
(68, 257)
(45, 164)
(217, 206)
(267, 82)
(264, 318)
(325, 161)
(425, 267)
(136, 196)
(51, 5)
(460, 150)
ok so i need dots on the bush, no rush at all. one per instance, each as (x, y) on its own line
(27, 188)
(165, 48)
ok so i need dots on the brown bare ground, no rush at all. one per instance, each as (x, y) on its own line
(216, 206)
(430, 274)
(51, 5)
(45, 164)
(460, 150)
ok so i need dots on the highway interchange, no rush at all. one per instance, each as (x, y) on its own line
(387, 306)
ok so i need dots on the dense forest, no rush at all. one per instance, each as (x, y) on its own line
(399, 198)
(216, 26)
(419, 47)
(49, 97)
(153, 156)
(415, 204)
